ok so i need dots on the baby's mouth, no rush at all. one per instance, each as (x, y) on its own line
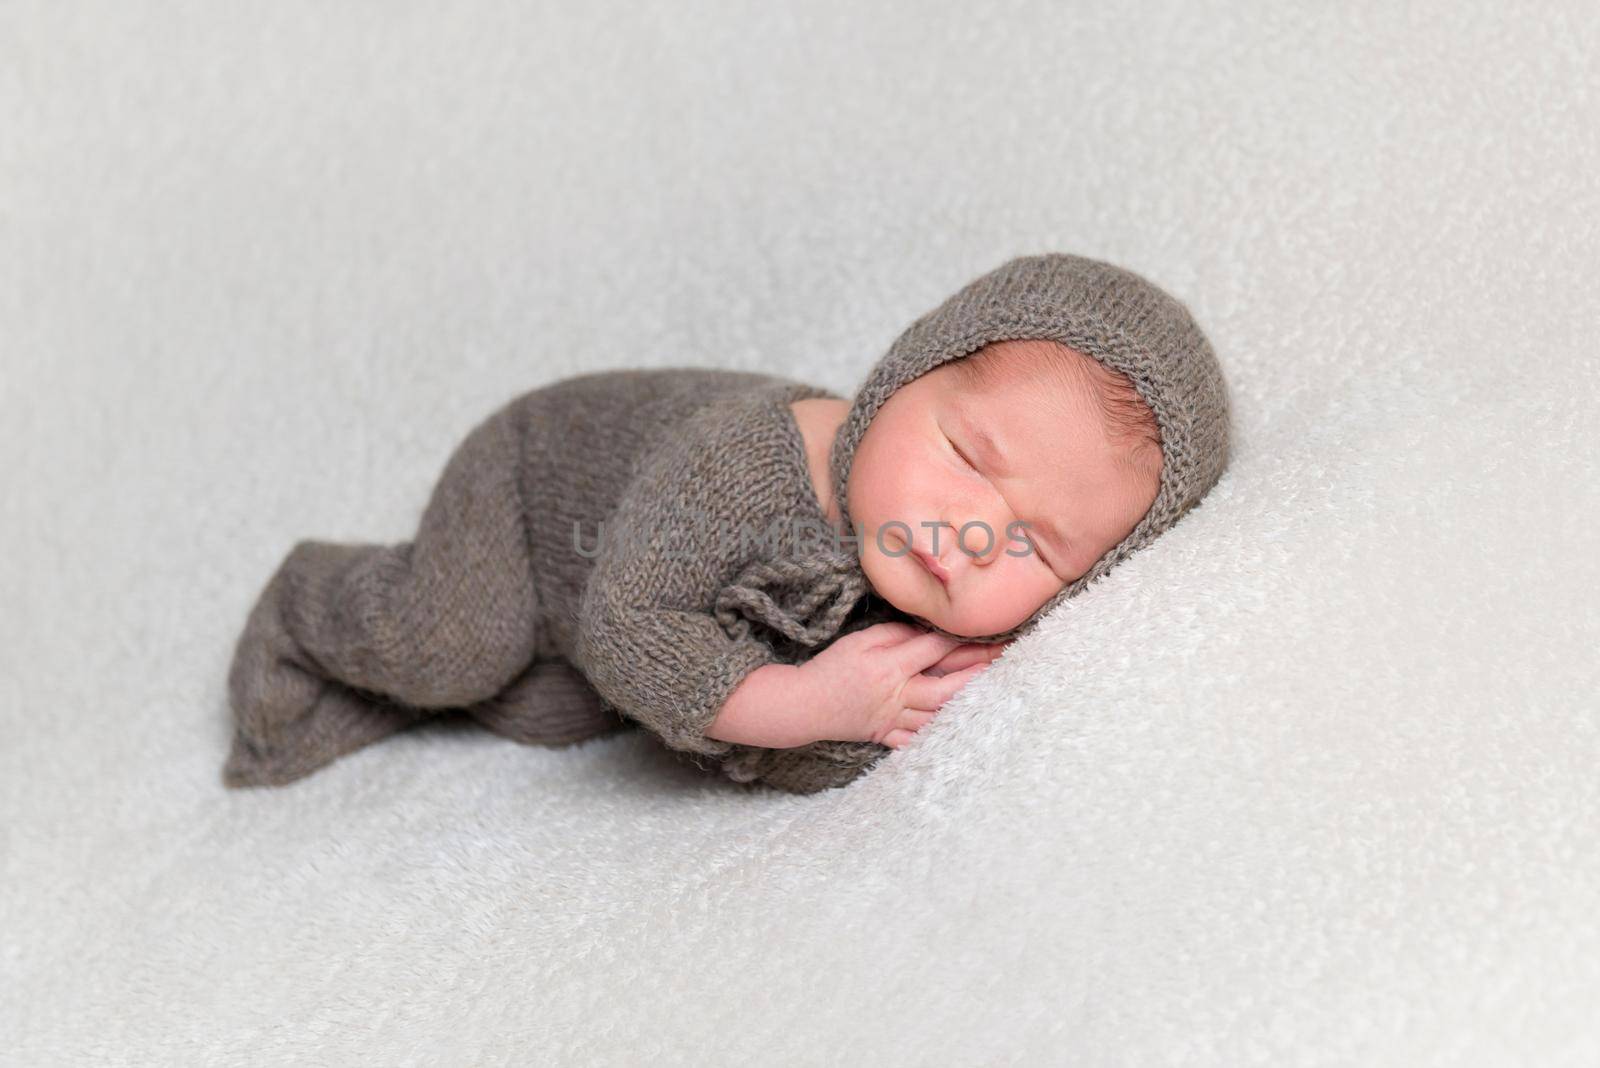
(932, 566)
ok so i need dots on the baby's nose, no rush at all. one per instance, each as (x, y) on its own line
(977, 539)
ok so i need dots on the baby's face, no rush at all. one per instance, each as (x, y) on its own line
(941, 454)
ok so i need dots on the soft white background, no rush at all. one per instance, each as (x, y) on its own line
(1313, 780)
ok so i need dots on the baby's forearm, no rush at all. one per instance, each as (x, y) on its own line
(770, 708)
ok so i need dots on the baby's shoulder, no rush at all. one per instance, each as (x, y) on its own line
(736, 454)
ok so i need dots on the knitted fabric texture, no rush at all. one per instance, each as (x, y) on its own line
(627, 546)
(620, 547)
(1109, 313)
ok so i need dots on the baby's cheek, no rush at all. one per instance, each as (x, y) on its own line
(1014, 590)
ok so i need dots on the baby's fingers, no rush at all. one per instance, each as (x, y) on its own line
(891, 633)
(966, 655)
(922, 652)
(931, 692)
(911, 721)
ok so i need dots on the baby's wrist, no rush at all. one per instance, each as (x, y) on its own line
(769, 708)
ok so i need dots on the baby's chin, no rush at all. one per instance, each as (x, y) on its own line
(939, 612)
(968, 629)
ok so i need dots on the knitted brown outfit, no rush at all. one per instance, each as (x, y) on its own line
(625, 547)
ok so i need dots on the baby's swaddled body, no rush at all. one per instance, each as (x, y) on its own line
(668, 439)
(624, 546)
(633, 545)
(713, 561)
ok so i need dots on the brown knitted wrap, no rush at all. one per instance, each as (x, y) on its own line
(1112, 314)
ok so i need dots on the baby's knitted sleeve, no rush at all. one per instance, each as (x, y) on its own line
(646, 637)
(670, 670)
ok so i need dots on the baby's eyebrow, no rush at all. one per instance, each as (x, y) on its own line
(1051, 531)
(988, 449)
(1061, 539)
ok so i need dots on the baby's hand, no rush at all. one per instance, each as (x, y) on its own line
(885, 682)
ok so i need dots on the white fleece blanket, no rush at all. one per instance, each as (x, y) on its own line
(1313, 780)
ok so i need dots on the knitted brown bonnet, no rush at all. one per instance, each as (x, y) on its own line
(1106, 312)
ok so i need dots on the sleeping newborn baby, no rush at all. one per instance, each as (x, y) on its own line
(780, 584)
(989, 483)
